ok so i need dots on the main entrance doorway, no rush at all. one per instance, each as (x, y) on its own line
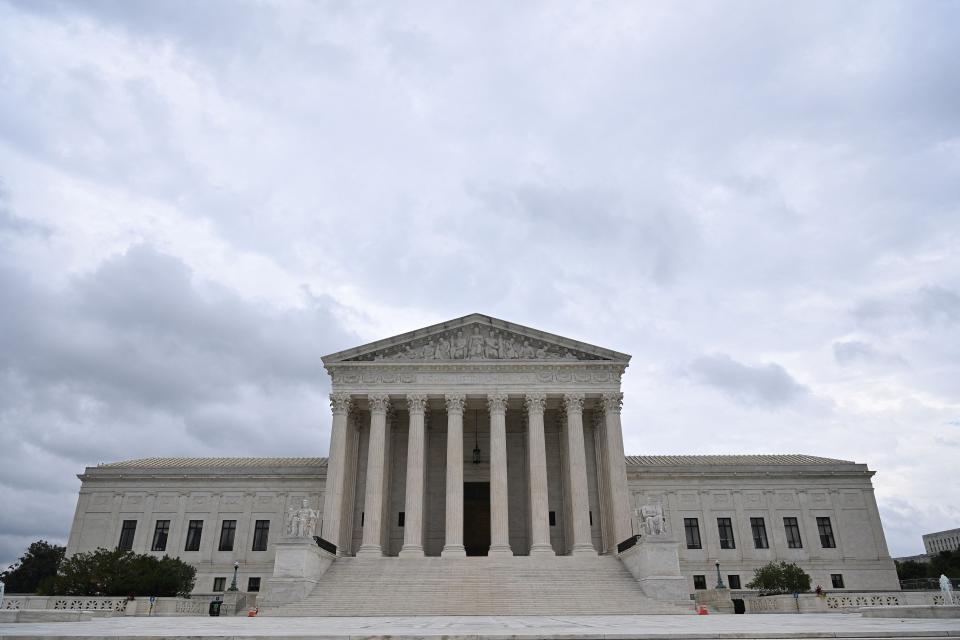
(476, 518)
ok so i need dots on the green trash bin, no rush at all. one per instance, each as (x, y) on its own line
(215, 608)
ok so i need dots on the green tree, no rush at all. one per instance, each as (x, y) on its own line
(780, 577)
(39, 563)
(121, 573)
(912, 570)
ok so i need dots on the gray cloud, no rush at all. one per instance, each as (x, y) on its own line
(141, 358)
(768, 385)
(849, 352)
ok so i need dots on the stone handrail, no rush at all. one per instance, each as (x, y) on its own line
(234, 603)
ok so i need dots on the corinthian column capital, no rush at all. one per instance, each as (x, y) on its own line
(612, 402)
(416, 403)
(535, 402)
(497, 402)
(573, 402)
(455, 402)
(379, 403)
(340, 403)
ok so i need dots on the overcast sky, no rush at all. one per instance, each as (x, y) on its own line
(759, 201)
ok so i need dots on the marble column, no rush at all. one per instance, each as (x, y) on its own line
(413, 505)
(453, 543)
(577, 476)
(333, 502)
(618, 496)
(499, 512)
(376, 461)
(537, 465)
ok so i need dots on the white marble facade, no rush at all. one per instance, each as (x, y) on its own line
(552, 477)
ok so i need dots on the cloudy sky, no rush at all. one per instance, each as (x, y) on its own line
(759, 201)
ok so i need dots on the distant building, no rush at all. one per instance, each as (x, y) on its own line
(948, 540)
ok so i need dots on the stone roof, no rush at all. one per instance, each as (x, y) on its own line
(644, 461)
(783, 459)
(196, 463)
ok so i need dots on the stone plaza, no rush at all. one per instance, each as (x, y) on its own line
(477, 467)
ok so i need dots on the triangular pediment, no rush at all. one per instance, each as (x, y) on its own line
(476, 338)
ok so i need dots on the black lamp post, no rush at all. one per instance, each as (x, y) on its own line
(233, 585)
(476, 440)
(720, 584)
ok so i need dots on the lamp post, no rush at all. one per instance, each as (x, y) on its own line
(720, 584)
(233, 585)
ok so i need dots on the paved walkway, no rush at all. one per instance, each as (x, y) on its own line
(663, 627)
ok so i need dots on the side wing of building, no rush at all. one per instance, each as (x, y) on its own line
(746, 511)
(210, 512)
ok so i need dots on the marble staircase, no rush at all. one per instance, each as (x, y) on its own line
(522, 585)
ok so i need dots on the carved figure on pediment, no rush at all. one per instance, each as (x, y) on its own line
(459, 349)
(426, 352)
(476, 344)
(443, 349)
(569, 355)
(512, 352)
(526, 351)
(491, 347)
(651, 515)
(542, 352)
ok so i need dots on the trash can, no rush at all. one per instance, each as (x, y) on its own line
(215, 607)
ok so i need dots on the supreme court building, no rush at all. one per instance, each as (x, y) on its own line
(480, 437)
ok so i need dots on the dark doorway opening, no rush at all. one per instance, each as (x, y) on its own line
(476, 518)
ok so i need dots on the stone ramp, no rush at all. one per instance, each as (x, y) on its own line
(522, 585)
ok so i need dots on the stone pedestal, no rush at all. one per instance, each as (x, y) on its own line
(717, 600)
(655, 564)
(297, 567)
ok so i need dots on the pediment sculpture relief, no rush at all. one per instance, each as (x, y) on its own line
(477, 343)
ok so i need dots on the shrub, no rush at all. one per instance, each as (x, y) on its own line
(38, 564)
(779, 577)
(121, 573)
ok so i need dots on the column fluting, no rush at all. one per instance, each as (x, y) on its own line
(499, 511)
(376, 459)
(334, 492)
(537, 464)
(616, 468)
(413, 505)
(453, 541)
(577, 475)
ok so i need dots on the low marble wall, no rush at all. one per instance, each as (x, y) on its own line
(840, 602)
(198, 604)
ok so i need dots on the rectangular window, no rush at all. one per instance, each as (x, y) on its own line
(725, 529)
(759, 529)
(590, 515)
(401, 520)
(261, 531)
(194, 531)
(692, 528)
(825, 529)
(361, 518)
(253, 584)
(219, 584)
(837, 580)
(793, 533)
(160, 534)
(553, 518)
(126, 535)
(699, 582)
(227, 533)
(733, 582)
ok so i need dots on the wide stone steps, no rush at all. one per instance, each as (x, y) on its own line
(520, 585)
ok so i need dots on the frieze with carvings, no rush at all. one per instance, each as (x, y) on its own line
(479, 342)
(506, 375)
